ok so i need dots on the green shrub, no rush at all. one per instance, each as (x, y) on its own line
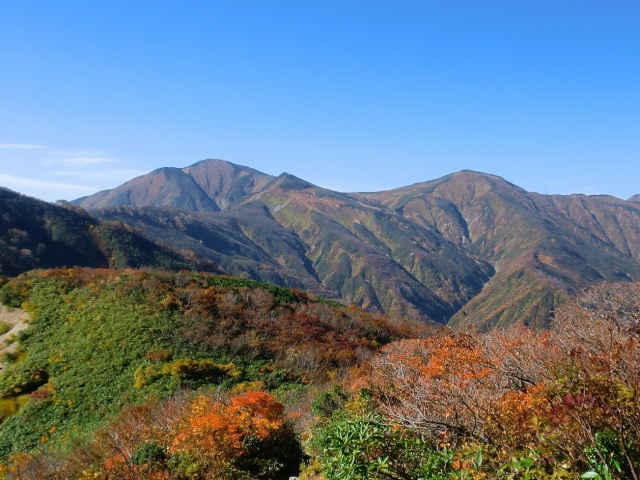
(607, 446)
(356, 442)
(186, 370)
(11, 406)
(282, 295)
(12, 294)
(22, 380)
(4, 328)
(149, 452)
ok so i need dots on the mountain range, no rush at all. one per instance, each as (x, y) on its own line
(468, 248)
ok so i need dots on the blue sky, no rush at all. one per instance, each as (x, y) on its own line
(350, 95)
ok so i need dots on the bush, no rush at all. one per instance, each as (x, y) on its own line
(358, 443)
(4, 328)
(189, 371)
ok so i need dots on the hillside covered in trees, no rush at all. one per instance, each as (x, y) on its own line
(136, 374)
(37, 234)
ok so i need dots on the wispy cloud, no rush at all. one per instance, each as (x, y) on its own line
(20, 183)
(20, 146)
(87, 161)
(52, 174)
(79, 160)
(99, 175)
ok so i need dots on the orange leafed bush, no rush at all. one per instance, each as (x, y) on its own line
(203, 436)
(213, 425)
(442, 386)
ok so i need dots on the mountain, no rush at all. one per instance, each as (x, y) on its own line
(209, 186)
(543, 247)
(37, 234)
(302, 236)
(635, 198)
(468, 248)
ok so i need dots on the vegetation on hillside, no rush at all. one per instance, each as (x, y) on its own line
(37, 234)
(104, 342)
(135, 374)
(507, 404)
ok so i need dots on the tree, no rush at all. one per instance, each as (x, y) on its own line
(440, 386)
(596, 385)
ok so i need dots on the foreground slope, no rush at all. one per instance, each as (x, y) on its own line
(99, 339)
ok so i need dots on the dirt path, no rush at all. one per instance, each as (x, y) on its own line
(17, 320)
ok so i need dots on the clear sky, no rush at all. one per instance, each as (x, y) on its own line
(350, 95)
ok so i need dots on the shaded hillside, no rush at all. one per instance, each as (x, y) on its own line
(37, 234)
(240, 246)
(465, 248)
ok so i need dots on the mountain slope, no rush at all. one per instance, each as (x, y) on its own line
(163, 187)
(296, 234)
(542, 246)
(371, 257)
(466, 248)
(37, 234)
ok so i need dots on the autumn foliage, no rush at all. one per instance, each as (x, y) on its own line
(192, 376)
(189, 436)
(507, 404)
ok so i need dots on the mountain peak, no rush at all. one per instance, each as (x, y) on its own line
(286, 181)
(225, 182)
(163, 187)
(219, 165)
(208, 185)
(213, 161)
(635, 198)
(472, 175)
